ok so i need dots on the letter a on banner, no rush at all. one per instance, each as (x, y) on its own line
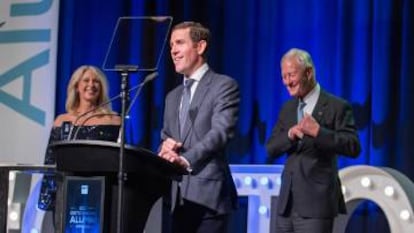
(28, 45)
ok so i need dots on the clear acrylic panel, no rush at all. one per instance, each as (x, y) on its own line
(137, 43)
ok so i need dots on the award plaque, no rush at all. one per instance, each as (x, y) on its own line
(83, 208)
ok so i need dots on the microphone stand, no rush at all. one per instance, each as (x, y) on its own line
(124, 70)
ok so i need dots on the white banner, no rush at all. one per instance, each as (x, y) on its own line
(28, 45)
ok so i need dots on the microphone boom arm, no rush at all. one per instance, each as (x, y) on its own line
(147, 79)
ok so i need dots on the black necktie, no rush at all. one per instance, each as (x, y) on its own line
(301, 106)
(185, 103)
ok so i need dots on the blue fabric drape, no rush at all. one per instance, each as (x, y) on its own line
(363, 51)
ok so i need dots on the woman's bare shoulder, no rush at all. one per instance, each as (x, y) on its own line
(62, 118)
(116, 120)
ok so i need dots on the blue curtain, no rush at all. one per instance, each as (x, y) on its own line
(363, 51)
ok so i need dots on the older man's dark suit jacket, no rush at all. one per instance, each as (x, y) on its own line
(310, 175)
(209, 127)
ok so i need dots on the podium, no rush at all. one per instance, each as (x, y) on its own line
(96, 163)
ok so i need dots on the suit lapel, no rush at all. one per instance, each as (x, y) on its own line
(176, 108)
(198, 97)
(318, 113)
(293, 120)
(320, 107)
(294, 113)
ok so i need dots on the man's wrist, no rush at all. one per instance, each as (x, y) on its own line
(290, 136)
(187, 164)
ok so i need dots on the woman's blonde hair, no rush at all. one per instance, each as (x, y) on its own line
(72, 98)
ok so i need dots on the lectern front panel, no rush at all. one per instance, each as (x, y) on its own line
(83, 204)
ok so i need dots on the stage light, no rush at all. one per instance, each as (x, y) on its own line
(278, 181)
(13, 216)
(248, 180)
(264, 181)
(14, 212)
(366, 182)
(405, 215)
(389, 191)
(263, 210)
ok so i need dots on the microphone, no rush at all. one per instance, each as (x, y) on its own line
(147, 79)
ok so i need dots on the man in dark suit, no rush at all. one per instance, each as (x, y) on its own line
(313, 128)
(199, 120)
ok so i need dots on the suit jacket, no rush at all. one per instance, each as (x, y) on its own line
(310, 175)
(209, 127)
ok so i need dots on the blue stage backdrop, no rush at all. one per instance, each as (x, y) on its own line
(363, 51)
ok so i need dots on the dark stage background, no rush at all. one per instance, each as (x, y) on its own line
(363, 51)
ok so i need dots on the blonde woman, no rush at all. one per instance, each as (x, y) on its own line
(87, 94)
(89, 116)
